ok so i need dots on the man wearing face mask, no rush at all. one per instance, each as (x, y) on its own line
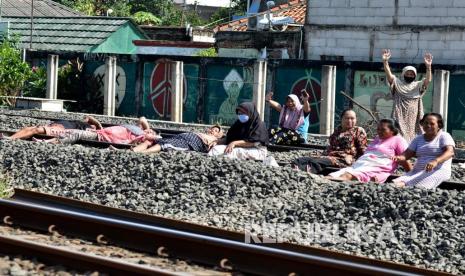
(407, 94)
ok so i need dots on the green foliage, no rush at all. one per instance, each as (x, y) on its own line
(5, 190)
(36, 85)
(146, 18)
(99, 7)
(165, 11)
(13, 71)
(210, 52)
(75, 85)
(238, 7)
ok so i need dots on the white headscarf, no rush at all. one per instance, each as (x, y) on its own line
(292, 119)
(410, 90)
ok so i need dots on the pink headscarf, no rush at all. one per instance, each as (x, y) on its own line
(292, 119)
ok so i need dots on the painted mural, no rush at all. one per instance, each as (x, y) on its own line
(120, 92)
(456, 114)
(156, 103)
(371, 89)
(125, 85)
(227, 86)
(295, 79)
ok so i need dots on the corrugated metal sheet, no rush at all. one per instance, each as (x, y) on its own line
(77, 34)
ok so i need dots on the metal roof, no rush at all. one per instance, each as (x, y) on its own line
(74, 34)
(45, 8)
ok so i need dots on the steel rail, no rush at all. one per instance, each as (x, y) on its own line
(76, 260)
(226, 252)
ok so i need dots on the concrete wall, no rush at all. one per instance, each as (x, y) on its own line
(359, 29)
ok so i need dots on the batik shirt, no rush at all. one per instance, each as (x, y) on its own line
(347, 145)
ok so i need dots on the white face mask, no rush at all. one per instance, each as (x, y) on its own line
(243, 118)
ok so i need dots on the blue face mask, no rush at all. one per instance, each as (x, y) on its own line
(243, 118)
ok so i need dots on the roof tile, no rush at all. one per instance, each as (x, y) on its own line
(65, 33)
(41, 8)
(295, 9)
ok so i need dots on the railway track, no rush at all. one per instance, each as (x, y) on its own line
(76, 260)
(170, 132)
(166, 237)
(447, 185)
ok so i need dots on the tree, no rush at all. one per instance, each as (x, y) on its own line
(13, 71)
(146, 18)
(165, 10)
(99, 7)
(238, 7)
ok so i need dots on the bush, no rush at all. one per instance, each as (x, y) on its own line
(13, 71)
(36, 85)
(210, 52)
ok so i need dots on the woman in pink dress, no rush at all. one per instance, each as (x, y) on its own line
(376, 163)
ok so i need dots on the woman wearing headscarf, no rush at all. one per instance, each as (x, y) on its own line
(293, 120)
(407, 95)
(247, 138)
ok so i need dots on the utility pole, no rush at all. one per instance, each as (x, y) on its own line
(32, 24)
(0, 10)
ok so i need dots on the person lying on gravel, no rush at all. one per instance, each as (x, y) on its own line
(194, 141)
(247, 138)
(434, 151)
(293, 120)
(376, 163)
(346, 144)
(124, 134)
(55, 128)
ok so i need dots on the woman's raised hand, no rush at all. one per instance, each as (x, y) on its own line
(386, 54)
(305, 96)
(269, 96)
(428, 57)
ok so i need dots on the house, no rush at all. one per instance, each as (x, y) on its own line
(359, 30)
(172, 33)
(81, 34)
(252, 37)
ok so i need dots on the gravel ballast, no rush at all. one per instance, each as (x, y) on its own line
(108, 251)
(17, 119)
(412, 226)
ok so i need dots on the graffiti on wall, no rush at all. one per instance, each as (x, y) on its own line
(120, 88)
(125, 85)
(158, 91)
(227, 87)
(456, 113)
(371, 90)
(161, 84)
(232, 84)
